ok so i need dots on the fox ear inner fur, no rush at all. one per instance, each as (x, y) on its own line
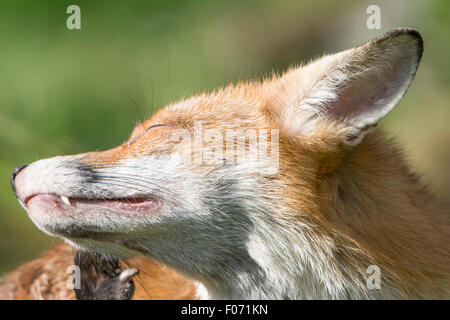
(351, 90)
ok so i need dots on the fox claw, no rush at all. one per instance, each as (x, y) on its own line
(127, 274)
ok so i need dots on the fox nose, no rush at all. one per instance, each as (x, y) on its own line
(13, 177)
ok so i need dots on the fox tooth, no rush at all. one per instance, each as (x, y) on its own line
(65, 200)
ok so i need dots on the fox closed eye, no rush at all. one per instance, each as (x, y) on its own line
(145, 131)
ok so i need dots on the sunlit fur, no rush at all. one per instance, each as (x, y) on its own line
(341, 201)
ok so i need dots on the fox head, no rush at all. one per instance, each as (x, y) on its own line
(227, 187)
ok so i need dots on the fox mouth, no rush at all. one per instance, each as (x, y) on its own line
(59, 202)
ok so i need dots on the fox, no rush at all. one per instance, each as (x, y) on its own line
(328, 202)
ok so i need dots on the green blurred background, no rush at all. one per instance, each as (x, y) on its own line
(66, 92)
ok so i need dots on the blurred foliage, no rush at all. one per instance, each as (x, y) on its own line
(64, 91)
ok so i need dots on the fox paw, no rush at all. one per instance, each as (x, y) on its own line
(102, 278)
(117, 288)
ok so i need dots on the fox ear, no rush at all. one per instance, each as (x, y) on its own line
(353, 88)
